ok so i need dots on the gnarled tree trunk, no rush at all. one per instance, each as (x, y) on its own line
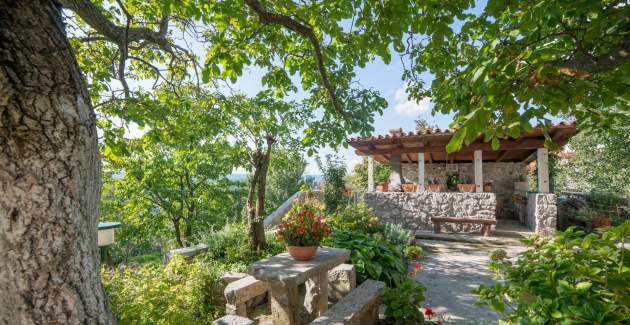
(49, 175)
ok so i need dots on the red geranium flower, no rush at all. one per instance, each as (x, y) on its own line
(428, 312)
(418, 267)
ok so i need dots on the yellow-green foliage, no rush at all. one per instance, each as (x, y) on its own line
(354, 217)
(180, 293)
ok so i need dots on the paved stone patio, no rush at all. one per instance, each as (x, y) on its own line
(451, 271)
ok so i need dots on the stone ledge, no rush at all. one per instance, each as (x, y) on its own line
(360, 307)
(233, 320)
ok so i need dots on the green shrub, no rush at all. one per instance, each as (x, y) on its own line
(414, 252)
(354, 217)
(373, 258)
(402, 303)
(567, 279)
(181, 293)
(396, 234)
(230, 245)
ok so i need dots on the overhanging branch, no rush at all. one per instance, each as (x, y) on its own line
(598, 64)
(268, 17)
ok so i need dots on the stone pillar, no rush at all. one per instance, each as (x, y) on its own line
(395, 174)
(542, 165)
(370, 171)
(478, 163)
(542, 213)
(421, 172)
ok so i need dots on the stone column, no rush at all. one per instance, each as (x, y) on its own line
(395, 174)
(421, 172)
(542, 165)
(370, 171)
(478, 163)
(284, 305)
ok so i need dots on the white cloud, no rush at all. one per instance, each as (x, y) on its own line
(404, 106)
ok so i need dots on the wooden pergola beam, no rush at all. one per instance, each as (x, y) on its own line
(501, 155)
(505, 145)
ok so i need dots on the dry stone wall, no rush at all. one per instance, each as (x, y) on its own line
(413, 211)
(502, 175)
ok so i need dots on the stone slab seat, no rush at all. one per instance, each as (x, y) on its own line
(233, 320)
(486, 229)
(239, 292)
(359, 307)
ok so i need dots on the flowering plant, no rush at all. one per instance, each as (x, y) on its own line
(303, 226)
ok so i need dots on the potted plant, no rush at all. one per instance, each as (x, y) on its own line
(487, 187)
(302, 229)
(464, 185)
(433, 185)
(382, 187)
(409, 187)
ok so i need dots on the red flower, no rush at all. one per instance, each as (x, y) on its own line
(317, 224)
(301, 230)
(418, 267)
(412, 274)
(428, 312)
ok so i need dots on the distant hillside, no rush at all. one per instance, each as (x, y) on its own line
(243, 177)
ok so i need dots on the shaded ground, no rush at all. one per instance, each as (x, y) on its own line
(451, 271)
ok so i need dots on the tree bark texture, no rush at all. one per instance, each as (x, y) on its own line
(49, 175)
(256, 226)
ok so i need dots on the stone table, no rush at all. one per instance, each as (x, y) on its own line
(285, 275)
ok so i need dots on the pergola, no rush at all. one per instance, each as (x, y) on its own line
(429, 146)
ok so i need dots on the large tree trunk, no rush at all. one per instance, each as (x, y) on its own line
(49, 175)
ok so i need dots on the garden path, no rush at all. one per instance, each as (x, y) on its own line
(451, 271)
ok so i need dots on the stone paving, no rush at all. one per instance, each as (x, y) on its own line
(451, 271)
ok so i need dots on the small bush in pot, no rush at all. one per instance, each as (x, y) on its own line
(302, 229)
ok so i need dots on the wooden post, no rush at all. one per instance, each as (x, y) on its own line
(542, 165)
(370, 174)
(478, 171)
(421, 172)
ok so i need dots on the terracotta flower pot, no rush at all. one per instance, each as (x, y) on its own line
(382, 187)
(600, 222)
(410, 187)
(302, 253)
(468, 188)
(434, 187)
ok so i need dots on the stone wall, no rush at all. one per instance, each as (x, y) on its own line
(542, 213)
(414, 210)
(502, 175)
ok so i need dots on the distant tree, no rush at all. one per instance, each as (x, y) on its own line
(262, 124)
(286, 172)
(422, 124)
(519, 61)
(599, 163)
(174, 176)
(334, 171)
(359, 177)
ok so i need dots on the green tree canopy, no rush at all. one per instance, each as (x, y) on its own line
(520, 61)
(599, 164)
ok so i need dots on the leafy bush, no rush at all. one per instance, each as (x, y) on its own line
(567, 279)
(230, 245)
(414, 252)
(396, 234)
(334, 171)
(402, 303)
(181, 293)
(373, 258)
(354, 217)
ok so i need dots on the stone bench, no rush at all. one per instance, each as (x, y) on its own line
(360, 307)
(341, 281)
(238, 293)
(187, 252)
(486, 224)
